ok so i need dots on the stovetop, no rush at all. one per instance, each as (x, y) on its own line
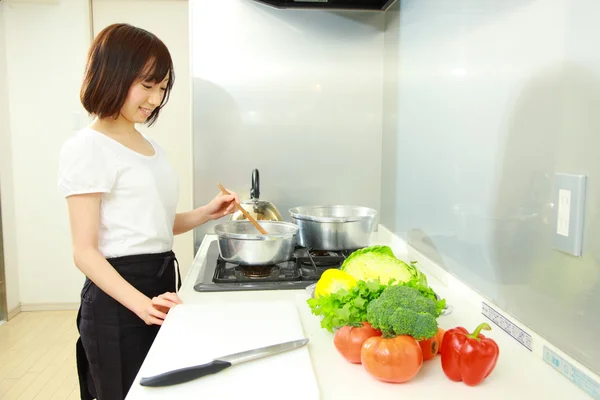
(304, 269)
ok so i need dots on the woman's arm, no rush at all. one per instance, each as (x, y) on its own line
(218, 207)
(187, 221)
(84, 215)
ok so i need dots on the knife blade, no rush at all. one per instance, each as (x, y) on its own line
(187, 374)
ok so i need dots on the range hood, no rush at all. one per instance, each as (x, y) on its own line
(372, 5)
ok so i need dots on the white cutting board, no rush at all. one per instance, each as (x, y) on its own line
(195, 334)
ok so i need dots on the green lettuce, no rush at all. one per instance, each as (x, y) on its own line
(346, 307)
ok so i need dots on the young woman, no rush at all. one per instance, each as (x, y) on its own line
(122, 195)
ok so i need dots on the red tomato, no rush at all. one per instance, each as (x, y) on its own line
(348, 340)
(394, 360)
(430, 347)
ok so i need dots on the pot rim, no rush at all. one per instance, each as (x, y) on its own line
(221, 233)
(255, 201)
(299, 213)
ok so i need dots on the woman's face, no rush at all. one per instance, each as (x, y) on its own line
(142, 99)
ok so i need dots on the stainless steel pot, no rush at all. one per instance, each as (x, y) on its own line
(335, 227)
(241, 243)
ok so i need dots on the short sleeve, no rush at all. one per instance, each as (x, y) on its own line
(85, 167)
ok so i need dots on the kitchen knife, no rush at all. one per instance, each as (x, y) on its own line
(218, 364)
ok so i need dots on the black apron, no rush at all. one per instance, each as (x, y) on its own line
(113, 340)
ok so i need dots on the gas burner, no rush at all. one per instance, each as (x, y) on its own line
(231, 273)
(319, 253)
(256, 271)
(320, 263)
(321, 258)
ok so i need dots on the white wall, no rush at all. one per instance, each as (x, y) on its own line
(45, 58)
(46, 47)
(9, 224)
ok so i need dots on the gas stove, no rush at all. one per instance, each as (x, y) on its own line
(304, 269)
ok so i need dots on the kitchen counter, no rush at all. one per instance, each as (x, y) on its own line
(518, 375)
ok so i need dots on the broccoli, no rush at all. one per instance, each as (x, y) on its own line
(403, 310)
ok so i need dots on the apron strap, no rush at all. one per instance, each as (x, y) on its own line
(168, 260)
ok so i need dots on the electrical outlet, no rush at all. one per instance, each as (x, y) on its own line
(564, 212)
(569, 200)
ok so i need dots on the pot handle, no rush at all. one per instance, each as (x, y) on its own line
(255, 190)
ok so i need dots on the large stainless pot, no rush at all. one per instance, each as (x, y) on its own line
(335, 227)
(241, 243)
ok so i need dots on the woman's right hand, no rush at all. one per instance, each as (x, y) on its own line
(158, 307)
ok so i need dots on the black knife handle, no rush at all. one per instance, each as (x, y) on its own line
(185, 374)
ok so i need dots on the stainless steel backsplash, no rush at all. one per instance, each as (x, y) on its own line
(295, 94)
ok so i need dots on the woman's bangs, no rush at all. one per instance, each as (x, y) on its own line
(158, 66)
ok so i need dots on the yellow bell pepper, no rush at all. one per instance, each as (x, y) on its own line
(333, 280)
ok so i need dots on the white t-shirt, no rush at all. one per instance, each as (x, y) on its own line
(139, 193)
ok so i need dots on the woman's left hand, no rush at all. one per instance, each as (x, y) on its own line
(221, 205)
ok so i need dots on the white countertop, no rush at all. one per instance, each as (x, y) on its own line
(519, 374)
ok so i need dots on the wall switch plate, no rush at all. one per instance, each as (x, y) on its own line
(569, 204)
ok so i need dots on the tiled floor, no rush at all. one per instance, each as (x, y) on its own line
(37, 356)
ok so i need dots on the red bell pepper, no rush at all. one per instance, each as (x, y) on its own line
(468, 357)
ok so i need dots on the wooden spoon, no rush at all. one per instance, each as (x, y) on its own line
(239, 207)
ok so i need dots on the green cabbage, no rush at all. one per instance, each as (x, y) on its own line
(380, 263)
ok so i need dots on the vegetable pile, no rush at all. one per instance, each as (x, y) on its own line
(384, 316)
(342, 296)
